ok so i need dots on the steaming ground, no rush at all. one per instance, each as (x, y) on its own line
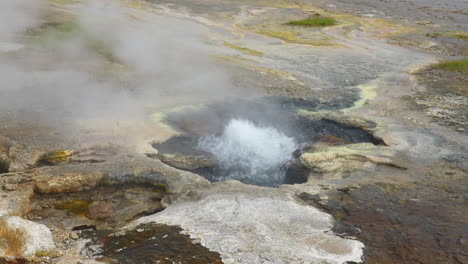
(80, 73)
(93, 74)
(76, 73)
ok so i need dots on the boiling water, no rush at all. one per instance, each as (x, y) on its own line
(249, 153)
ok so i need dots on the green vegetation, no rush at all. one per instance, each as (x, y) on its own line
(460, 36)
(460, 66)
(434, 35)
(314, 21)
(50, 33)
(53, 35)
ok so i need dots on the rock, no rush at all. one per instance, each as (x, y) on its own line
(73, 235)
(17, 202)
(55, 157)
(101, 209)
(77, 260)
(460, 129)
(20, 238)
(153, 243)
(463, 242)
(253, 225)
(334, 140)
(150, 171)
(124, 169)
(67, 182)
(24, 157)
(462, 259)
(336, 162)
(16, 191)
(395, 229)
(187, 162)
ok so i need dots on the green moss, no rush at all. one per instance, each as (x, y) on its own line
(460, 36)
(314, 21)
(434, 35)
(52, 35)
(460, 66)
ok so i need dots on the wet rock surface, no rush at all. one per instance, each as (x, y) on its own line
(151, 243)
(103, 207)
(401, 225)
(255, 224)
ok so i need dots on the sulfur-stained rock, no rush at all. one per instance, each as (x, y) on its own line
(334, 162)
(55, 157)
(20, 238)
(67, 182)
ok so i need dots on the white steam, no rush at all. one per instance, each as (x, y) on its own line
(109, 66)
(251, 154)
(16, 16)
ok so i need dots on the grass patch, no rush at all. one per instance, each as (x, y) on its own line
(460, 66)
(460, 36)
(53, 35)
(314, 21)
(433, 35)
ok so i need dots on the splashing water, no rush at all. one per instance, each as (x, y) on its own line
(249, 153)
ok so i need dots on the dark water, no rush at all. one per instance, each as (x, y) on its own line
(152, 243)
